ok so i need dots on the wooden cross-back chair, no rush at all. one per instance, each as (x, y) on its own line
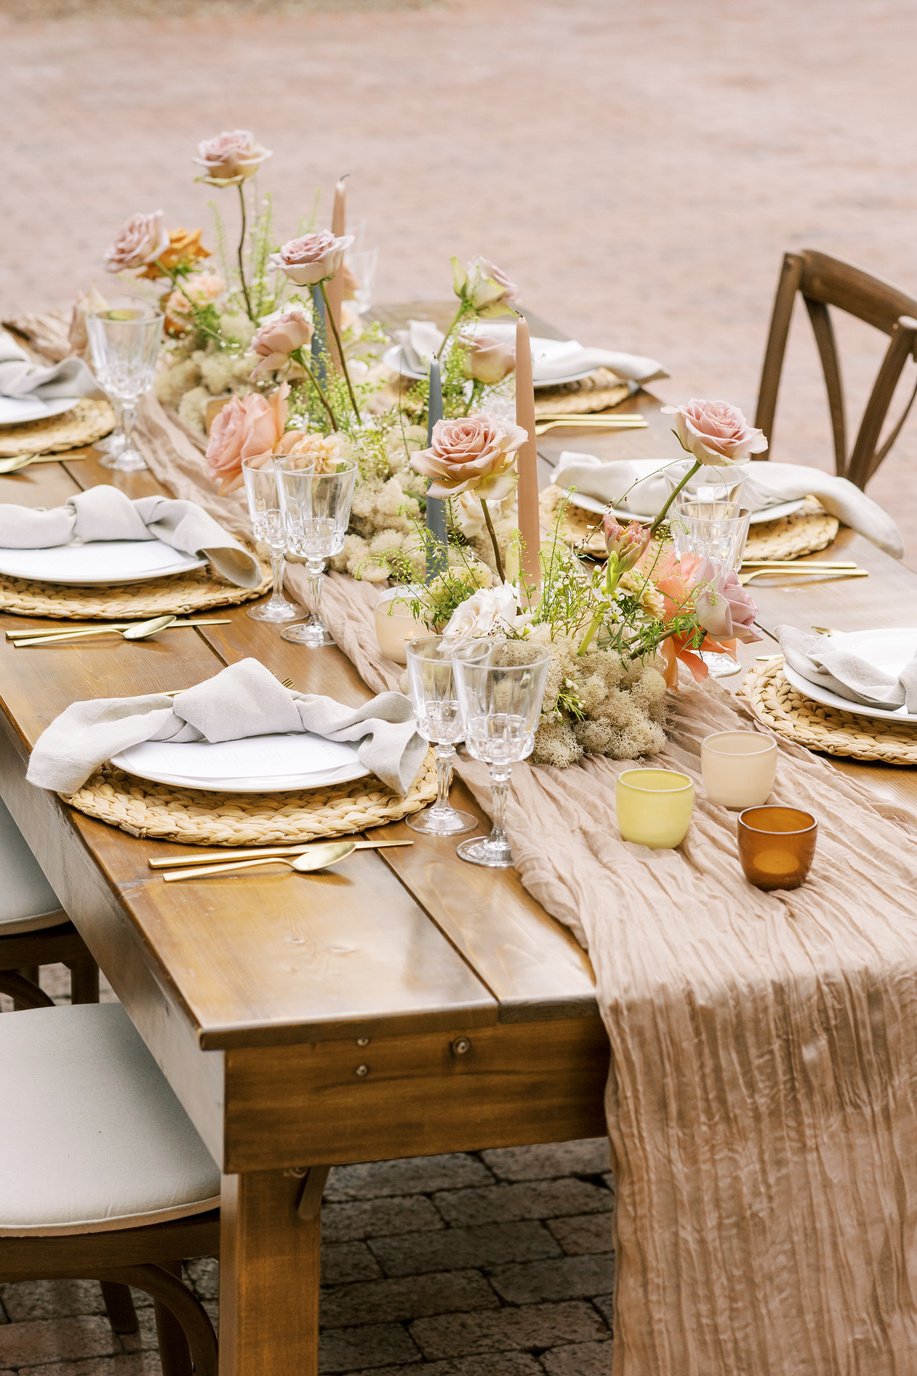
(824, 284)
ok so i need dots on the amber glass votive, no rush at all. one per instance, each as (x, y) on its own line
(739, 767)
(776, 846)
(654, 806)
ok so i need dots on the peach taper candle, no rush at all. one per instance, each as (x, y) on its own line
(527, 460)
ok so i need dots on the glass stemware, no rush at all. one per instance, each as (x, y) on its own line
(124, 342)
(500, 686)
(716, 530)
(439, 720)
(316, 512)
(263, 497)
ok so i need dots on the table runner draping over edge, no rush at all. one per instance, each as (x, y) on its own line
(762, 1093)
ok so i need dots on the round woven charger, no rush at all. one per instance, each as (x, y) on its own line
(597, 392)
(195, 818)
(88, 421)
(779, 706)
(188, 592)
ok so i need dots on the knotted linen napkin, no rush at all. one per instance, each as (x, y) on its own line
(640, 486)
(242, 700)
(19, 377)
(556, 360)
(105, 513)
(825, 661)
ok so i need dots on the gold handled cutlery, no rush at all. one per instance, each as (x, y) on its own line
(819, 575)
(18, 461)
(316, 856)
(135, 630)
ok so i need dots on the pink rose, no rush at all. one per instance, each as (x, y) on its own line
(484, 287)
(247, 428)
(721, 604)
(231, 156)
(715, 432)
(280, 336)
(625, 543)
(139, 241)
(313, 258)
(487, 359)
(473, 453)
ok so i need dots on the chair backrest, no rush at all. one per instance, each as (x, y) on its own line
(825, 283)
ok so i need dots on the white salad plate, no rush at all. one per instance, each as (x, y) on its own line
(21, 410)
(258, 764)
(888, 650)
(100, 562)
(758, 518)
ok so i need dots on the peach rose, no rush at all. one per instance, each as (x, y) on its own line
(203, 288)
(247, 428)
(279, 336)
(231, 156)
(183, 250)
(139, 241)
(473, 453)
(720, 604)
(487, 359)
(715, 433)
(484, 287)
(313, 258)
(322, 453)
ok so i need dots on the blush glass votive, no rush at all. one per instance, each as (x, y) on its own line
(654, 806)
(739, 767)
(776, 846)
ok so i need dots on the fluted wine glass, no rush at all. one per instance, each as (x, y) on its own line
(124, 343)
(263, 496)
(316, 513)
(500, 687)
(431, 684)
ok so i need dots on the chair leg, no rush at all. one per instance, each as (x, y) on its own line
(23, 992)
(120, 1307)
(181, 1321)
(174, 1353)
(84, 980)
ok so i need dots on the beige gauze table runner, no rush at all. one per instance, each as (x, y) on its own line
(762, 1094)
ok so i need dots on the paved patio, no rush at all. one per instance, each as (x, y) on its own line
(640, 171)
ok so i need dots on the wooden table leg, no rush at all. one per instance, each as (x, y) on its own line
(270, 1232)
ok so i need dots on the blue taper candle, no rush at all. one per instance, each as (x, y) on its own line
(436, 507)
(320, 335)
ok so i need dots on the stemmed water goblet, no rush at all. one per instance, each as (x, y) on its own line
(431, 684)
(124, 343)
(500, 687)
(316, 513)
(715, 530)
(263, 496)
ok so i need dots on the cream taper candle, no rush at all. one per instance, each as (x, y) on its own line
(527, 460)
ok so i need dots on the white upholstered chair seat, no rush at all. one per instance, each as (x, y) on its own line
(96, 1139)
(27, 901)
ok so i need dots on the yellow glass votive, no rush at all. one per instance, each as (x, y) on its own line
(395, 625)
(776, 846)
(654, 806)
(739, 767)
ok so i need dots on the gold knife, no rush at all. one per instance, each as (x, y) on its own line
(265, 853)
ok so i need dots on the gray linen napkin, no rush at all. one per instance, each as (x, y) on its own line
(19, 377)
(823, 660)
(243, 700)
(105, 513)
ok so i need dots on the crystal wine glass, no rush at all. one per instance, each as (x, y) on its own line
(439, 720)
(316, 512)
(716, 531)
(124, 342)
(263, 496)
(500, 687)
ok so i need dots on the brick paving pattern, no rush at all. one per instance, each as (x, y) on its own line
(640, 171)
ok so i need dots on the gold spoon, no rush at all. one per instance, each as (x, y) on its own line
(134, 630)
(317, 857)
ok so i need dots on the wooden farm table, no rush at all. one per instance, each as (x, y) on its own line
(406, 1004)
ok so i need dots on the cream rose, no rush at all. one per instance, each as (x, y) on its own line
(322, 453)
(313, 258)
(484, 287)
(473, 453)
(247, 428)
(487, 359)
(279, 336)
(231, 156)
(487, 612)
(715, 433)
(139, 241)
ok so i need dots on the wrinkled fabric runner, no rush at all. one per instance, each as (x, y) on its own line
(762, 1097)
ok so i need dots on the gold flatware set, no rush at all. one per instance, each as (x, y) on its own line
(811, 569)
(128, 630)
(17, 461)
(589, 422)
(306, 858)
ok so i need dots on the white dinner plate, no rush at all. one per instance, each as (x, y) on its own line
(259, 764)
(758, 518)
(394, 359)
(889, 650)
(20, 410)
(101, 562)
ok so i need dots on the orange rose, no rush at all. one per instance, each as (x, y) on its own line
(183, 249)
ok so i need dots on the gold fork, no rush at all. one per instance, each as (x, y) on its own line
(819, 575)
(591, 423)
(174, 692)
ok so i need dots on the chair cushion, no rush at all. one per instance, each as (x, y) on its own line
(27, 901)
(95, 1140)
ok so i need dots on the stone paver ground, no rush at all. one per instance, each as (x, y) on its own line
(640, 170)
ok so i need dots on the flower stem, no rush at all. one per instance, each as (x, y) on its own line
(301, 360)
(493, 540)
(240, 254)
(661, 515)
(448, 335)
(329, 314)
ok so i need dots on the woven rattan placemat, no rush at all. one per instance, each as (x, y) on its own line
(597, 392)
(88, 421)
(188, 592)
(196, 818)
(780, 707)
